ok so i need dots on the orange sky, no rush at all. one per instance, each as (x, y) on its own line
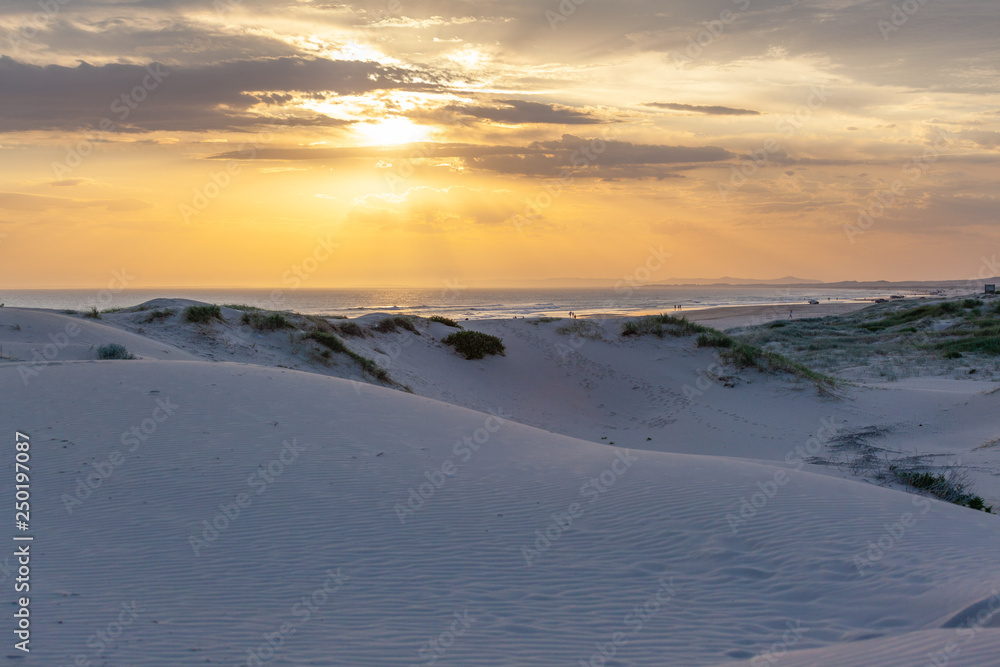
(415, 143)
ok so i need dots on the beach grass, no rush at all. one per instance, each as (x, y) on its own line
(202, 314)
(335, 344)
(662, 325)
(260, 321)
(448, 322)
(157, 315)
(394, 324)
(891, 340)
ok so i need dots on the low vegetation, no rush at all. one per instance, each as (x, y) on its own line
(731, 350)
(714, 339)
(157, 315)
(260, 321)
(662, 325)
(855, 452)
(474, 344)
(892, 340)
(93, 313)
(202, 314)
(448, 322)
(394, 324)
(915, 314)
(114, 351)
(350, 329)
(950, 488)
(241, 306)
(335, 344)
(583, 329)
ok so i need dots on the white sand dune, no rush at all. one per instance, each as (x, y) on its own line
(383, 528)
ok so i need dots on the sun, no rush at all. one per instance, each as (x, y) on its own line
(391, 131)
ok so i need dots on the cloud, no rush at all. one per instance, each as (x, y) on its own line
(710, 110)
(591, 157)
(16, 201)
(517, 112)
(984, 138)
(157, 97)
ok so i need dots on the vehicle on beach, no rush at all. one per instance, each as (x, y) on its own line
(813, 302)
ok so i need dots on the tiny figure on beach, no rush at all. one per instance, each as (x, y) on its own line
(789, 313)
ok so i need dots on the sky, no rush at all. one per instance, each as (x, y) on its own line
(415, 143)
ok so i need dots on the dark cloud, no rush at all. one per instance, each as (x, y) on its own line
(80, 33)
(518, 112)
(573, 154)
(709, 110)
(157, 97)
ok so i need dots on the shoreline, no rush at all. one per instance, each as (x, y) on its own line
(729, 317)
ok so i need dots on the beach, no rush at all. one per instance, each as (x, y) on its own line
(729, 317)
(589, 485)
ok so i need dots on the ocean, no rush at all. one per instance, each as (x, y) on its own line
(451, 302)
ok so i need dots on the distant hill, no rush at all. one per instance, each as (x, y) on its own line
(728, 280)
(974, 285)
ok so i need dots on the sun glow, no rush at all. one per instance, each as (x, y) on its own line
(392, 131)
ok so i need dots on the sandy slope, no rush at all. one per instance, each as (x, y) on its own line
(732, 558)
(659, 518)
(646, 393)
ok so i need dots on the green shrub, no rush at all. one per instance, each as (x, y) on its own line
(448, 322)
(474, 344)
(240, 306)
(954, 354)
(156, 315)
(971, 303)
(202, 314)
(114, 351)
(261, 322)
(976, 503)
(93, 313)
(113, 310)
(392, 324)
